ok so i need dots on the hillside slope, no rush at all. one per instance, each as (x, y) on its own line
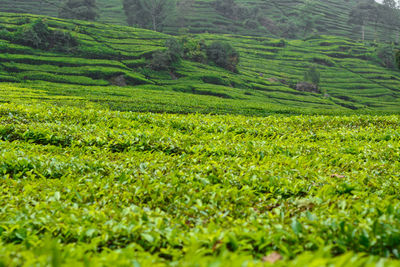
(267, 71)
(200, 16)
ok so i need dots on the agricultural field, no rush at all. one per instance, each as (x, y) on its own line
(352, 80)
(200, 16)
(86, 186)
(196, 166)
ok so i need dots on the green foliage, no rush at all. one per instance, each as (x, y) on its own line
(307, 20)
(389, 16)
(166, 59)
(38, 35)
(385, 55)
(233, 10)
(194, 49)
(220, 53)
(269, 70)
(312, 75)
(175, 49)
(98, 51)
(87, 185)
(161, 60)
(69, 79)
(214, 79)
(362, 13)
(151, 14)
(79, 9)
(134, 13)
(227, 8)
(223, 55)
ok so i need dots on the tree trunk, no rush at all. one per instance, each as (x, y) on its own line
(154, 23)
(363, 33)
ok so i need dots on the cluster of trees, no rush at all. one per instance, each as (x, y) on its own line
(155, 14)
(385, 15)
(235, 11)
(300, 21)
(150, 14)
(145, 13)
(221, 54)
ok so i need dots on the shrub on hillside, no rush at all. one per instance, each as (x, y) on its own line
(166, 59)
(226, 8)
(161, 61)
(307, 87)
(38, 35)
(223, 55)
(385, 55)
(194, 50)
(174, 49)
(312, 75)
(22, 21)
(236, 11)
(251, 24)
(219, 53)
(35, 35)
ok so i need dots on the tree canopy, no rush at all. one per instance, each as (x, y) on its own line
(151, 14)
(79, 9)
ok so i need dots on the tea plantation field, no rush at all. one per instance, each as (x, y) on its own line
(351, 77)
(86, 186)
(200, 166)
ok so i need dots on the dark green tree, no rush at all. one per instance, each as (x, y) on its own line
(307, 20)
(389, 17)
(226, 8)
(362, 13)
(151, 14)
(167, 59)
(134, 13)
(312, 75)
(183, 8)
(79, 9)
(386, 55)
(224, 55)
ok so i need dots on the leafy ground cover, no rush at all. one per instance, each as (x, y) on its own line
(86, 186)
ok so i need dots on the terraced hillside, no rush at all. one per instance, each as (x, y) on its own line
(201, 16)
(350, 79)
(332, 19)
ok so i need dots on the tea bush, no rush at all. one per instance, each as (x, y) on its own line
(85, 184)
(223, 55)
